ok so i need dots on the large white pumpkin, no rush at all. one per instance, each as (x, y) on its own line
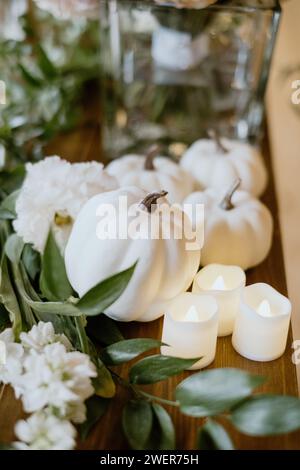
(238, 229)
(165, 266)
(153, 173)
(217, 163)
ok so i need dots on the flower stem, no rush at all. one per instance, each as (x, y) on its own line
(159, 399)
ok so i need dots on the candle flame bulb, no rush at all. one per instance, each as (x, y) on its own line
(264, 309)
(192, 315)
(219, 284)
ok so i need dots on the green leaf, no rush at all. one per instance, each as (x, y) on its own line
(212, 436)
(211, 392)
(163, 432)
(8, 206)
(29, 78)
(31, 260)
(266, 415)
(8, 298)
(153, 369)
(13, 248)
(45, 64)
(10, 181)
(95, 409)
(54, 283)
(137, 423)
(104, 385)
(104, 330)
(125, 351)
(105, 294)
(4, 318)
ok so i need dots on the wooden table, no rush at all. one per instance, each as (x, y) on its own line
(84, 145)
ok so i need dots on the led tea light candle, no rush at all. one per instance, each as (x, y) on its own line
(262, 325)
(190, 328)
(225, 284)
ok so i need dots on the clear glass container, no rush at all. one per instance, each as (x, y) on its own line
(169, 74)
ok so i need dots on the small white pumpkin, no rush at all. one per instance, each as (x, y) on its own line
(238, 229)
(152, 173)
(216, 163)
(165, 267)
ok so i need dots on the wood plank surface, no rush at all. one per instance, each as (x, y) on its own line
(85, 145)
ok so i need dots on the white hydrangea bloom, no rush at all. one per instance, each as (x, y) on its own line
(52, 195)
(12, 367)
(41, 335)
(44, 431)
(58, 379)
(65, 9)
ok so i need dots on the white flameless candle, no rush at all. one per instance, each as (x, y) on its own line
(262, 325)
(225, 284)
(190, 328)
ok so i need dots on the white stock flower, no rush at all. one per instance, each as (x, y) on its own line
(44, 431)
(14, 353)
(58, 379)
(52, 195)
(41, 335)
(66, 9)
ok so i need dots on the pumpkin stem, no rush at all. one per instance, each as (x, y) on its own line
(226, 204)
(151, 200)
(214, 135)
(153, 151)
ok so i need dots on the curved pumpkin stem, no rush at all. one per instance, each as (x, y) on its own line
(150, 155)
(151, 200)
(226, 204)
(214, 135)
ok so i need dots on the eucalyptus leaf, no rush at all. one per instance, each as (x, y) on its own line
(211, 392)
(95, 409)
(104, 330)
(137, 422)
(163, 433)
(104, 294)
(31, 260)
(266, 415)
(213, 436)
(125, 351)
(54, 283)
(8, 206)
(104, 385)
(13, 248)
(156, 368)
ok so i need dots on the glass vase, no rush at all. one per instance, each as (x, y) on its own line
(170, 74)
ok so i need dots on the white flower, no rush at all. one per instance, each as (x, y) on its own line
(41, 335)
(65, 9)
(58, 379)
(13, 363)
(52, 194)
(44, 431)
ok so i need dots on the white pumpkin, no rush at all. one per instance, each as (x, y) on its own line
(165, 267)
(152, 173)
(238, 229)
(216, 163)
